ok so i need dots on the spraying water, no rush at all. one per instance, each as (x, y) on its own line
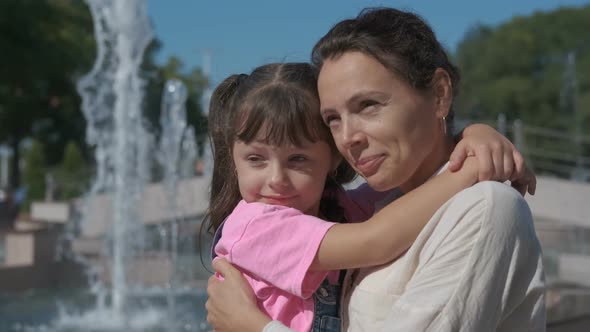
(112, 95)
(125, 152)
(174, 131)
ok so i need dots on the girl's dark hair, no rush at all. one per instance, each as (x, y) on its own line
(401, 41)
(282, 100)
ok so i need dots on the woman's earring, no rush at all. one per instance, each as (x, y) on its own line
(444, 125)
(335, 173)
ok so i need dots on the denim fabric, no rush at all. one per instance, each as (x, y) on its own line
(326, 308)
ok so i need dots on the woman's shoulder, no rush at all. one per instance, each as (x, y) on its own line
(492, 194)
(499, 207)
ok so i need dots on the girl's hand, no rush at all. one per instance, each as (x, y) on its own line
(497, 158)
(231, 305)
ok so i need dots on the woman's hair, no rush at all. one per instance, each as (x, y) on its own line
(277, 100)
(401, 41)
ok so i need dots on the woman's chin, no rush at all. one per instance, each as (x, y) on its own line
(388, 178)
(379, 183)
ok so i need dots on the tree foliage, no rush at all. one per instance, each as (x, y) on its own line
(46, 46)
(34, 173)
(72, 175)
(536, 69)
(519, 68)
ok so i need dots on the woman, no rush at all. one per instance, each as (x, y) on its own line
(386, 89)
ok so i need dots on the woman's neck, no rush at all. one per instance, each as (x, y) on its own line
(438, 157)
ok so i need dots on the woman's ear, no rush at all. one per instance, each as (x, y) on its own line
(442, 90)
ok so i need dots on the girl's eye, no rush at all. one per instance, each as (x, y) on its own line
(255, 159)
(298, 159)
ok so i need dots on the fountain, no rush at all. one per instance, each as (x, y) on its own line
(177, 140)
(112, 95)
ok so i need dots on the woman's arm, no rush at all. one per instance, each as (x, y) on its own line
(393, 229)
(235, 301)
(231, 305)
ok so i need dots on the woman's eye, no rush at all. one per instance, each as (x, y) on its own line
(329, 119)
(367, 103)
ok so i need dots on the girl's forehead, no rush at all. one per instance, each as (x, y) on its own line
(285, 134)
(317, 151)
(280, 138)
(263, 141)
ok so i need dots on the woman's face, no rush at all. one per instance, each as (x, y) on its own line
(386, 129)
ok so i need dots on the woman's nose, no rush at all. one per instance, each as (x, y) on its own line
(350, 135)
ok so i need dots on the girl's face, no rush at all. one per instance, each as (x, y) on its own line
(385, 129)
(287, 175)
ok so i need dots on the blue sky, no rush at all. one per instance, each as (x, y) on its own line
(241, 35)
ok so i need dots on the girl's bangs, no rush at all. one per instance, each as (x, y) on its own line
(278, 116)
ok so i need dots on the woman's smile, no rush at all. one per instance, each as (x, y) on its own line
(368, 166)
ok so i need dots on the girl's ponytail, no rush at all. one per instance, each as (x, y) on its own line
(224, 190)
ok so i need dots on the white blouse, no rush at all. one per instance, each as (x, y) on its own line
(476, 266)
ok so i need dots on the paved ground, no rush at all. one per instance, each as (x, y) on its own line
(580, 324)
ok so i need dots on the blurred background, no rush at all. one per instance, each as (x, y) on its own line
(104, 159)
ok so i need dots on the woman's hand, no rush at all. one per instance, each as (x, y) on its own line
(497, 158)
(231, 304)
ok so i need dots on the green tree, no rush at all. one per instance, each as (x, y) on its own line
(520, 69)
(73, 161)
(73, 173)
(34, 173)
(45, 45)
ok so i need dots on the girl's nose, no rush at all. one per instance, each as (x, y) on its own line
(278, 177)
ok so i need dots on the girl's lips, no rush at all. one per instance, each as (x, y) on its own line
(369, 166)
(277, 200)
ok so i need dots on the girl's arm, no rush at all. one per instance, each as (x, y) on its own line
(392, 230)
(497, 157)
(376, 242)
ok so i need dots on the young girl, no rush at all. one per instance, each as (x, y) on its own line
(276, 180)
